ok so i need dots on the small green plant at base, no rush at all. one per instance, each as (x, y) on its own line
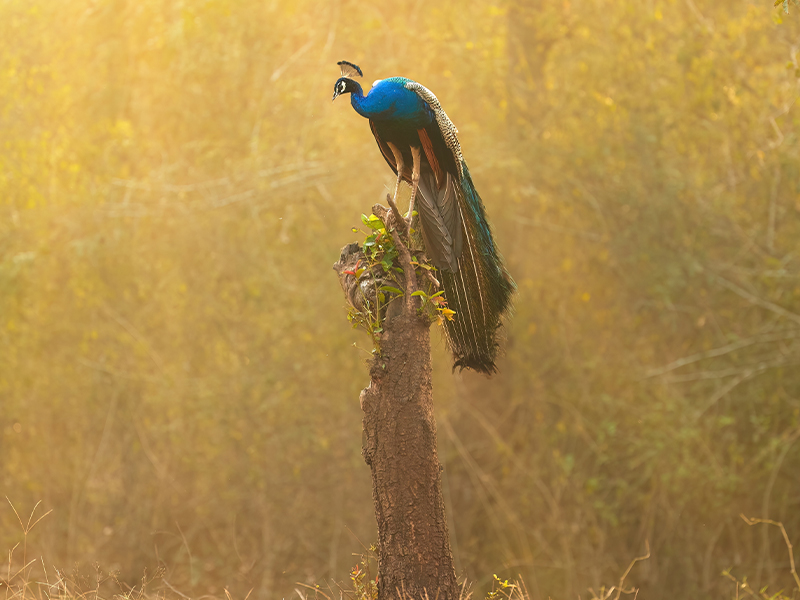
(365, 587)
(437, 304)
(503, 590)
(379, 246)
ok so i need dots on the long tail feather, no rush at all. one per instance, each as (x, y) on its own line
(438, 210)
(479, 291)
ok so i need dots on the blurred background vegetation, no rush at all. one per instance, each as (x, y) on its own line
(179, 383)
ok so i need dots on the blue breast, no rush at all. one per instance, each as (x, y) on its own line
(389, 100)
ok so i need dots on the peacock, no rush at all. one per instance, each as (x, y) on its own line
(420, 144)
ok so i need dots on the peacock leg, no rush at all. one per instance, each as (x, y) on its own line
(398, 159)
(415, 153)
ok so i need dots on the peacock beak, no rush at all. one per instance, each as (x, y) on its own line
(335, 95)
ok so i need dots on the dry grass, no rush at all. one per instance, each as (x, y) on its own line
(29, 579)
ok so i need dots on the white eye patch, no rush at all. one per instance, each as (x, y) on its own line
(342, 87)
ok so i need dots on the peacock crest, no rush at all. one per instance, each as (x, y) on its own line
(349, 70)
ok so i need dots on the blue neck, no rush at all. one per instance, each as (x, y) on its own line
(357, 101)
(390, 100)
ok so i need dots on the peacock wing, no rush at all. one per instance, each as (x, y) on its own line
(440, 184)
(443, 134)
(440, 218)
(388, 155)
(437, 194)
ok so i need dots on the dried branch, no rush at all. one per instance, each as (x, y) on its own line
(785, 539)
(399, 221)
(779, 310)
(620, 588)
(722, 350)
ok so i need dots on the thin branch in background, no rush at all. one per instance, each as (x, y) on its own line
(484, 485)
(620, 588)
(134, 333)
(778, 140)
(188, 551)
(587, 235)
(740, 585)
(753, 299)
(170, 586)
(706, 23)
(311, 587)
(787, 445)
(785, 539)
(765, 502)
(722, 350)
(731, 371)
(773, 208)
(605, 594)
(289, 61)
(595, 204)
(724, 390)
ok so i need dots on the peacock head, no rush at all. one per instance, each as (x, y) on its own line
(346, 84)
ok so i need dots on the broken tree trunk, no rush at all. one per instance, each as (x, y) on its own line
(415, 561)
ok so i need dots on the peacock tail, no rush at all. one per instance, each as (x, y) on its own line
(477, 287)
(479, 291)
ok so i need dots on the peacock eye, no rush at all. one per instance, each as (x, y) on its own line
(342, 87)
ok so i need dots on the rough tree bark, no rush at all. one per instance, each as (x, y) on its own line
(415, 561)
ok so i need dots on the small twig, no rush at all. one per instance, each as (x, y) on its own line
(316, 589)
(702, 20)
(22, 568)
(461, 595)
(740, 585)
(188, 550)
(621, 587)
(134, 333)
(785, 539)
(779, 140)
(722, 350)
(753, 299)
(422, 258)
(436, 285)
(21, 524)
(773, 204)
(399, 221)
(169, 585)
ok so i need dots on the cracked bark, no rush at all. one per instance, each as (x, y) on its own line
(399, 446)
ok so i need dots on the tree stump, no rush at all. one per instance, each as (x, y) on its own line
(414, 557)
